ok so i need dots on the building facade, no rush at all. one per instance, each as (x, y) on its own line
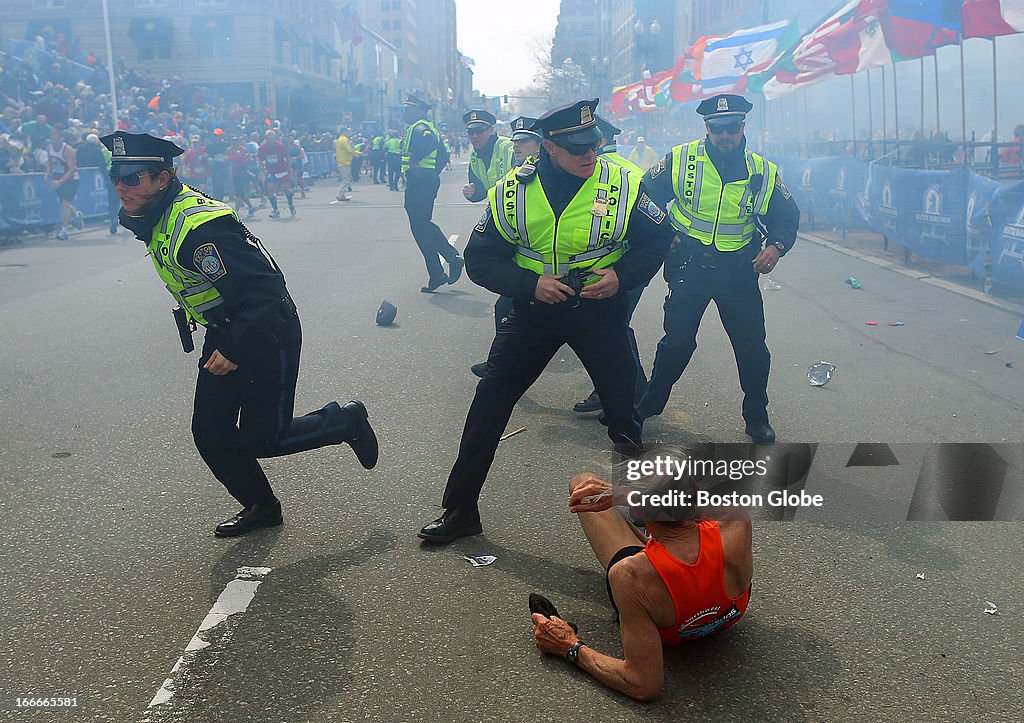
(279, 54)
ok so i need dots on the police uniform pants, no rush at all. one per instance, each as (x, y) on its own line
(522, 348)
(394, 162)
(247, 413)
(736, 293)
(420, 191)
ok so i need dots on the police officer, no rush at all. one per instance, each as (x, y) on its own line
(422, 179)
(525, 144)
(609, 152)
(393, 157)
(491, 157)
(223, 278)
(725, 195)
(573, 220)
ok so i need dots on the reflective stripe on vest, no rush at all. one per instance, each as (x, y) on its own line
(546, 244)
(620, 160)
(706, 210)
(501, 162)
(429, 160)
(194, 292)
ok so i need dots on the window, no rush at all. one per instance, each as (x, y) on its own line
(385, 25)
(48, 4)
(212, 3)
(396, 25)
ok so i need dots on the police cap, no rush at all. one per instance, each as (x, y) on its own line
(607, 129)
(522, 129)
(411, 101)
(571, 123)
(724, 108)
(386, 313)
(477, 117)
(134, 152)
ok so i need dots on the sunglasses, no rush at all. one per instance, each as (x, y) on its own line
(580, 149)
(131, 181)
(477, 131)
(732, 128)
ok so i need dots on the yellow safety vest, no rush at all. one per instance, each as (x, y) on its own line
(501, 162)
(194, 292)
(429, 160)
(549, 244)
(706, 210)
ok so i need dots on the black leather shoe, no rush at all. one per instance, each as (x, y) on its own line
(434, 283)
(540, 604)
(251, 518)
(590, 404)
(361, 438)
(479, 369)
(761, 433)
(454, 523)
(455, 267)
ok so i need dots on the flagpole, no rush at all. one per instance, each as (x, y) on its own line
(885, 102)
(963, 102)
(995, 105)
(871, 119)
(922, 97)
(896, 110)
(853, 120)
(935, 72)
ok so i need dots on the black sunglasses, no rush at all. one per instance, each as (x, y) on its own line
(477, 131)
(732, 128)
(581, 149)
(131, 181)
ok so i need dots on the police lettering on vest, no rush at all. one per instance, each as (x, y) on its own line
(711, 212)
(590, 233)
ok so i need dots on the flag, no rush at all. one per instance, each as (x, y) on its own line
(721, 63)
(847, 41)
(915, 28)
(349, 26)
(989, 18)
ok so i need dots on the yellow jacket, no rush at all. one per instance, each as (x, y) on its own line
(343, 151)
(645, 158)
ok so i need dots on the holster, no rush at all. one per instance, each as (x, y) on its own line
(185, 329)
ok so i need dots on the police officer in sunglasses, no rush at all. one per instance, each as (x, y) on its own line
(223, 279)
(565, 239)
(735, 219)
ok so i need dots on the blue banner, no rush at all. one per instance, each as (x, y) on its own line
(28, 200)
(320, 163)
(1003, 218)
(827, 188)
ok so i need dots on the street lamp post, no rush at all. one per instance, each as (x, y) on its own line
(383, 92)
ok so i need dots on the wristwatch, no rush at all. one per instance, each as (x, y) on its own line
(573, 653)
(780, 246)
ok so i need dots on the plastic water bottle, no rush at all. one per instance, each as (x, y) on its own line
(853, 283)
(820, 373)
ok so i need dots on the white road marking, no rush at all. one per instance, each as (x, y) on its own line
(234, 600)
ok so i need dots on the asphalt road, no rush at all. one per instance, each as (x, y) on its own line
(109, 566)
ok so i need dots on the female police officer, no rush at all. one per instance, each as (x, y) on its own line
(225, 280)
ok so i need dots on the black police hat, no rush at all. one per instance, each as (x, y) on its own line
(522, 129)
(411, 101)
(477, 117)
(571, 123)
(135, 152)
(386, 313)
(724, 108)
(607, 129)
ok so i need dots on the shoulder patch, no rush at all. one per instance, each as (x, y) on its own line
(481, 225)
(781, 188)
(653, 173)
(650, 209)
(207, 260)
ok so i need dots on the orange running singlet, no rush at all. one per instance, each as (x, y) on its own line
(698, 590)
